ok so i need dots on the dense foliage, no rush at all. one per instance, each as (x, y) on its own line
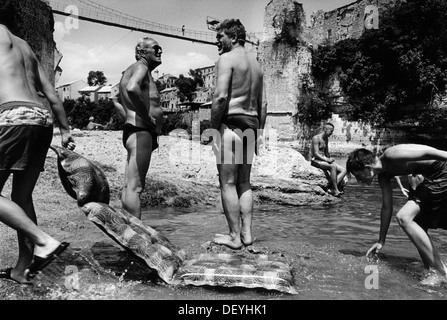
(96, 78)
(79, 111)
(188, 85)
(403, 63)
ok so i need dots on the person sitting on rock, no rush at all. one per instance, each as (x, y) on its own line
(321, 159)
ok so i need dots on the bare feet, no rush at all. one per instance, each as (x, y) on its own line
(227, 240)
(433, 278)
(336, 193)
(247, 240)
(49, 247)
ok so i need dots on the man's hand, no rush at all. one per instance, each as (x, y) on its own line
(330, 160)
(374, 250)
(405, 192)
(261, 145)
(68, 141)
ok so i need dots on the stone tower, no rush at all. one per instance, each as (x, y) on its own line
(32, 20)
(286, 61)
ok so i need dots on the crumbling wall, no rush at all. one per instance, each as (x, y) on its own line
(346, 22)
(286, 61)
(32, 20)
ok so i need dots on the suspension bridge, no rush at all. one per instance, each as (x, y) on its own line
(96, 13)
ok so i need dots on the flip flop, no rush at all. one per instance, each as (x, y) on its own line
(40, 263)
(5, 274)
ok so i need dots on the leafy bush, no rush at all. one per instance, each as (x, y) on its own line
(313, 107)
(399, 64)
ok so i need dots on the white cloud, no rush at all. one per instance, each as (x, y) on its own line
(176, 64)
(79, 59)
(60, 31)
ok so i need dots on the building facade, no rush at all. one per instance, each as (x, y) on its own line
(70, 90)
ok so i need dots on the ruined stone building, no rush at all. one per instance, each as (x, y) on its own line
(32, 20)
(285, 54)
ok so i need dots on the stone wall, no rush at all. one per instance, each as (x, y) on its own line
(349, 136)
(286, 62)
(32, 20)
(345, 22)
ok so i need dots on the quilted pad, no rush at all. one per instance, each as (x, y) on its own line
(144, 242)
(231, 270)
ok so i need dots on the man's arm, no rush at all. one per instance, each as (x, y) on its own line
(5, 39)
(262, 108)
(119, 107)
(221, 97)
(57, 107)
(135, 94)
(385, 214)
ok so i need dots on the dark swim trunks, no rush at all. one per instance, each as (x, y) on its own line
(431, 195)
(316, 163)
(26, 131)
(130, 129)
(243, 122)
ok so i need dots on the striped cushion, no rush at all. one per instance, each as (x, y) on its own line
(144, 242)
(232, 270)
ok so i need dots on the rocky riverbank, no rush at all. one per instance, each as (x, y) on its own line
(183, 172)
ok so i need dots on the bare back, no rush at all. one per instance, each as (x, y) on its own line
(14, 83)
(246, 83)
(407, 159)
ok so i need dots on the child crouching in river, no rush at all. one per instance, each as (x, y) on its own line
(425, 209)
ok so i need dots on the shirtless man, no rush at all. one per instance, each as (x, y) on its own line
(143, 120)
(26, 131)
(426, 207)
(321, 159)
(238, 111)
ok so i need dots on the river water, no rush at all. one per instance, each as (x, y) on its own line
(326, 245)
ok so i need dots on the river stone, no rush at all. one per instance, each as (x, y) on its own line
(81, 178)
(141, 240)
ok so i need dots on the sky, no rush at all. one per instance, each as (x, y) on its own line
(93, 46)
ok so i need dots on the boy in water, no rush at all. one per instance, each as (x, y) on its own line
(426, 207)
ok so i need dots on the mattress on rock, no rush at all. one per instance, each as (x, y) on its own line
(86, 183)
(237, 270)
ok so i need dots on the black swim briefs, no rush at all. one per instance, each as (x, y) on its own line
(130, 129)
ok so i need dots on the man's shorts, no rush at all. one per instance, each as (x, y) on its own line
(431, 196)
(26, 132)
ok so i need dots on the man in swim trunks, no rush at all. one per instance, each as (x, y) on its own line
(426, 207)
(26, 131)
(238, 112)
(321, 159)
(144, 117)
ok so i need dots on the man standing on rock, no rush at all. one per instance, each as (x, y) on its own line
(143, 120)
(238, 111)
(321, 159)
(26, 132)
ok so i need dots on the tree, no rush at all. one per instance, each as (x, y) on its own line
(96, 78)
(186, 87)
(197, 77)
(397, 65)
